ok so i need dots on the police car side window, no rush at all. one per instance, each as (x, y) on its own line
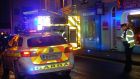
(46, 41)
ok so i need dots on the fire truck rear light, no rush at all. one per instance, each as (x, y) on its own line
(68, 49)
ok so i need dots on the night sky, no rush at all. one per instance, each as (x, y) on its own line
(4, 14)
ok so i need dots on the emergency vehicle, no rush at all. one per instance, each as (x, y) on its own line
(38, 53)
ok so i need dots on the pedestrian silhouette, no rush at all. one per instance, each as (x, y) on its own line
(128, 43)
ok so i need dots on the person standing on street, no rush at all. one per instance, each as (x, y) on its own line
(128, 43)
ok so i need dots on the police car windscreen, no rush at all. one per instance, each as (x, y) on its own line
(46, 41)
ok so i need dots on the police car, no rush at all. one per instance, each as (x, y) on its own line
(38, 53)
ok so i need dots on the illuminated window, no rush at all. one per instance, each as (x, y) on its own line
(42, 21)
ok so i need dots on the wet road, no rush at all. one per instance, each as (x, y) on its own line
(92, 68)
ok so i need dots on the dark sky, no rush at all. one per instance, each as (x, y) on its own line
(4, 14)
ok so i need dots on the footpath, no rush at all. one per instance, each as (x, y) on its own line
(108, 55)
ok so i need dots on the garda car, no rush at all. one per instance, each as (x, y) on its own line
(38, 53)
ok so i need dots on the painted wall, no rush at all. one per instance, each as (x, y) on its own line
(107, 27)
(106, 32)
(119, 18)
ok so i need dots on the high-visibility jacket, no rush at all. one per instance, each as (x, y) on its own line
(129, 37)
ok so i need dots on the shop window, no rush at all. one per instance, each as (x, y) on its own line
(90, 27)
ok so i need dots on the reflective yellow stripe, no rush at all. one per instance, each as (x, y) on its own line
(71, 23)
(129, 35)
(45, 50)
(130, 41)
(74, 21)
(64, 57)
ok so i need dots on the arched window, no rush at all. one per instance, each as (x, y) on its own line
(113, 11)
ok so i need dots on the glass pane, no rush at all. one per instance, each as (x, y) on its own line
(46, 41)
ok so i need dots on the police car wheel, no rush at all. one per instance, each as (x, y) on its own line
(65, 75)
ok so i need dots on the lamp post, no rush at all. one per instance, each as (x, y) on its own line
(11, 15)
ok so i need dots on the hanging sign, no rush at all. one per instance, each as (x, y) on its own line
(99, 8)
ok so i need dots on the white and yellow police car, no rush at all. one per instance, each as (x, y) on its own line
(38, 53)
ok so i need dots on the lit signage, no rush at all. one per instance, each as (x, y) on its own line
(100, 8)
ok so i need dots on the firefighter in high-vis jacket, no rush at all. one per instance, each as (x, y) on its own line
(128, 43)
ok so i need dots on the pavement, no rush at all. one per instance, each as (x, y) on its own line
(111, 55)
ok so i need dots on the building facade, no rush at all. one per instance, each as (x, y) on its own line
(92, 24)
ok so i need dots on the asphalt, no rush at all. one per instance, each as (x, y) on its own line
(111, 55)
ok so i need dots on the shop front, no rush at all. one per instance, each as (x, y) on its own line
(91, 31)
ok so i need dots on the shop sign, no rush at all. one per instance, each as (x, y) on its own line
(105, 25)
(99, 8)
